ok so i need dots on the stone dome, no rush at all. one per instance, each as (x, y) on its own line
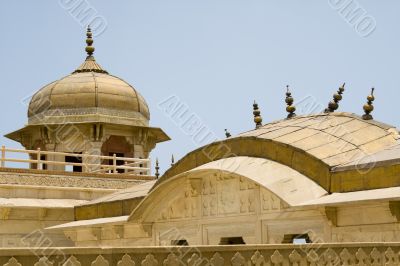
(89, 94)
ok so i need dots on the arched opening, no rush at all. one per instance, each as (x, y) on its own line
(120, 147)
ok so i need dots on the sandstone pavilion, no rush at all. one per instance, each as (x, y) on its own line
(319, 189)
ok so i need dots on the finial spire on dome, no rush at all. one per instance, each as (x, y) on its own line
(257, 115)
(369, 107)
(157, 174)
(337, 97)
(90, 64)
(89, 42)
(289, 101)
(172, 160)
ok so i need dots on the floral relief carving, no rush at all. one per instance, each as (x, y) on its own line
(185, 205)
(238, 260)
(277, 258)
(13, 262)
(217, 260)
(362, 257)
(376, 257)
(270, 202)
(149, 261)
(295, 258)
(72, 261)
(227, 196)
(44, 261)
(392, 258)
(257, 259)
(126, 261)
(171, 260)
(194, 260)
(312, 257)
(100, 261)
(346, 257)
(65, 181)
(331, 257)
(209, 185)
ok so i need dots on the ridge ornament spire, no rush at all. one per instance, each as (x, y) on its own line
(257, 115)
(337, 97)
(369, 107)
(289, 101)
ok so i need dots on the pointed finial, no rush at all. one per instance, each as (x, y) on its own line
(337, 97)
(89, 41)
(257, 115)
(369, 107)
(172, 160)
(289, 101)
(157, 174)
(90, 64)
(227, 134)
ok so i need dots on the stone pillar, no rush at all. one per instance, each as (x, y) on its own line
(92, 148)
(51, 157)
(138, 151)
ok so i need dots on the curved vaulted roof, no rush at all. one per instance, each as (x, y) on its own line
(314, 145)
(335, 139)
(289, 185)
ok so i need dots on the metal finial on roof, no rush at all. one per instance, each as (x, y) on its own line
(257, 115)
(337, 97)
(89, 41)
(90, 64)
(289, 101)
(227, 134)
(369, 107)
(172, 160)
(157, 174)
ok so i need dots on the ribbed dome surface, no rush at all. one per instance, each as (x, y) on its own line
(88, 90)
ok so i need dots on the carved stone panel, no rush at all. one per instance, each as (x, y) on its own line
(217, 194)
(184, 204)
(126, 261)
(228, 202)
(269, 201)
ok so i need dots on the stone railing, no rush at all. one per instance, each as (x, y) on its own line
(88, 162)
(386, 254)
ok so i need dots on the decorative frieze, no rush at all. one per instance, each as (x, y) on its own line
(364, 254)
(65, 181)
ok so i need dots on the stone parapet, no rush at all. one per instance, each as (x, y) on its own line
(310, 254)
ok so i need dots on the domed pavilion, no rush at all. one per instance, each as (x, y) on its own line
(89, 112)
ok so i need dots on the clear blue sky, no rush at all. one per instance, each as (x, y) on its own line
(216, 56)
